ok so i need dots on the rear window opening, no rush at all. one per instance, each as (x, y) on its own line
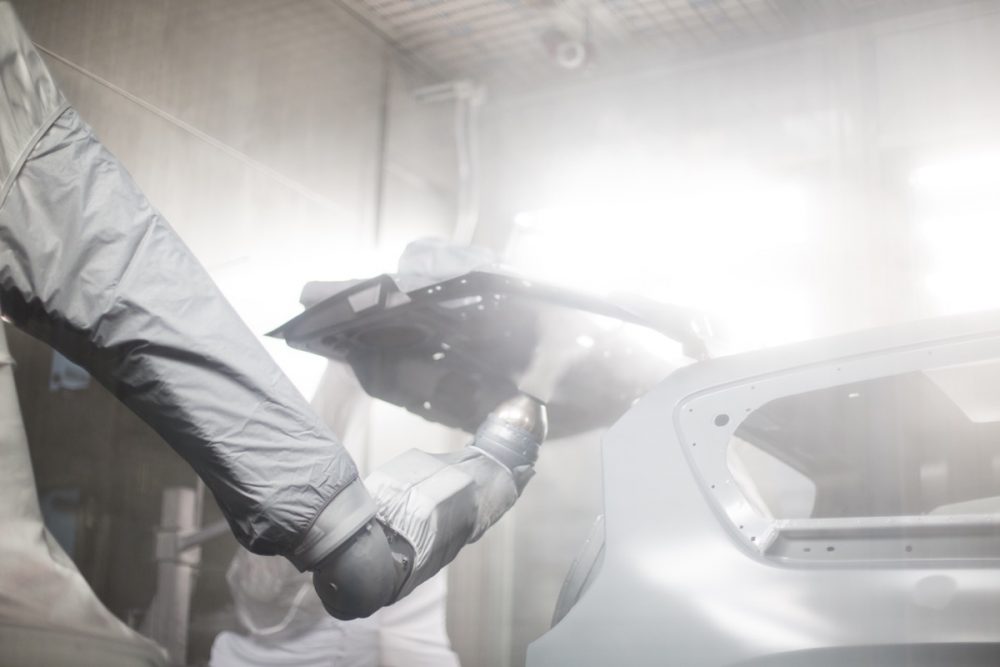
(918, 443)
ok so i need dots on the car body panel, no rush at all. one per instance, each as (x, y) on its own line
(682, 583)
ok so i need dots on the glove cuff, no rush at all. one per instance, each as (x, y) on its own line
(346, 514)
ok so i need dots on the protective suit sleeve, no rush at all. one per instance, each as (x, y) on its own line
(87, 265)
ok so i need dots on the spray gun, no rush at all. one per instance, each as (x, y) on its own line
(427, 507)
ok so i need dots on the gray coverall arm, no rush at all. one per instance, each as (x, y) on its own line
(89, 266)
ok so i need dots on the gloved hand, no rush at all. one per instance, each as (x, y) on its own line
(426, 508)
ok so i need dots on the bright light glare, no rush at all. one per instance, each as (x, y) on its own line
(957, 204)
(720, 238)
(969, 173)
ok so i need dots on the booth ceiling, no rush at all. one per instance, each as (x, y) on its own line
(519, 40)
